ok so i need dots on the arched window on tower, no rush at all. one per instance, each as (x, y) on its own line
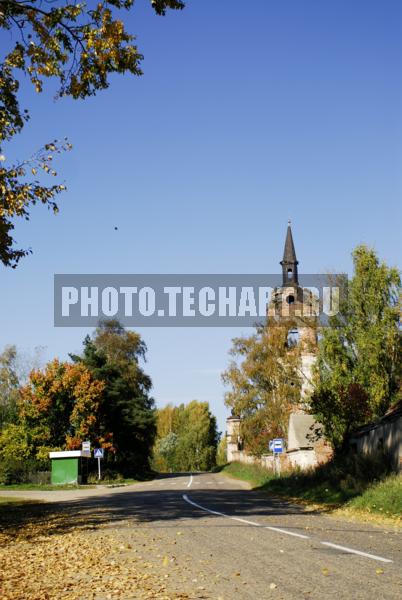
(290, 273)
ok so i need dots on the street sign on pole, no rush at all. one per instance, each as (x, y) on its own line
(99, 454)
(278, 446)
(86, 448)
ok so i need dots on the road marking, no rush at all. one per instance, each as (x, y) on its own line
(279, 530)
(221, 514)
(352, 551)
(191, 481)
(285, 531)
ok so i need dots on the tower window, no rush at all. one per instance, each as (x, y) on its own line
(290, 273)
(290, 299)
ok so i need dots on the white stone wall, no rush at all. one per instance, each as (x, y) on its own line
(266, 461)
(233, 436)
(304, 459)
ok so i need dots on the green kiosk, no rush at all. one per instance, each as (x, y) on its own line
(69, 466)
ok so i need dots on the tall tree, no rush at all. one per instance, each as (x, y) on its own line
(165, 453)
(359, 366)
(126, 414)
(187, 438)
(78, 44)
(9, 382)
(265, 382)
(15, 368)
(197, 443)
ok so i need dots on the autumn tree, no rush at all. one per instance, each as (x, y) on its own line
(168, 419)
(126, 418)
(264, 378)
(196, 448)
(187, 438)
(59, 406)
(359, 366)
(77, 44)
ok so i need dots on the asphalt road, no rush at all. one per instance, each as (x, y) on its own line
(228, 542)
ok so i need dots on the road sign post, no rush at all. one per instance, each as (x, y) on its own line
(99, 454)
(86, 449)
(277, 447)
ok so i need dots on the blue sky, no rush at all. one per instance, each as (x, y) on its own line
(249, 113)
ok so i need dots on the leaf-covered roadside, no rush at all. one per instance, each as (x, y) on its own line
(51, 558)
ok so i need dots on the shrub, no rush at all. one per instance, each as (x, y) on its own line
(12, 470)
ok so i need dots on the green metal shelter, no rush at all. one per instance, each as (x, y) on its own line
(69, 466)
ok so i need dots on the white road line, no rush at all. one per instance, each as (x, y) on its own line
(191, 481)
(221, 514)
(279, 530)
(352, 551)
(285, 531)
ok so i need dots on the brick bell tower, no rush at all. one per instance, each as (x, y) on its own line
(298, 307)
(291, 303)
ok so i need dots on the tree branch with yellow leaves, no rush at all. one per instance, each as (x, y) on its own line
(80, 45)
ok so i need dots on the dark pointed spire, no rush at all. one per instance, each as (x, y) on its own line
(289, 262)
(289, 252)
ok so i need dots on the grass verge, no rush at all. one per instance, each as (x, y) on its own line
(48, 487)
(330, 486)
(45, 487)
(4, 500)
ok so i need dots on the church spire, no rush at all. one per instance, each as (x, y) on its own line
(289, 262)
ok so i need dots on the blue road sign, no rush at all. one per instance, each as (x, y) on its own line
(278, 445)
(99, 453)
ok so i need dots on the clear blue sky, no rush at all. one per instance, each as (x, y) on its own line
(249, 113)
